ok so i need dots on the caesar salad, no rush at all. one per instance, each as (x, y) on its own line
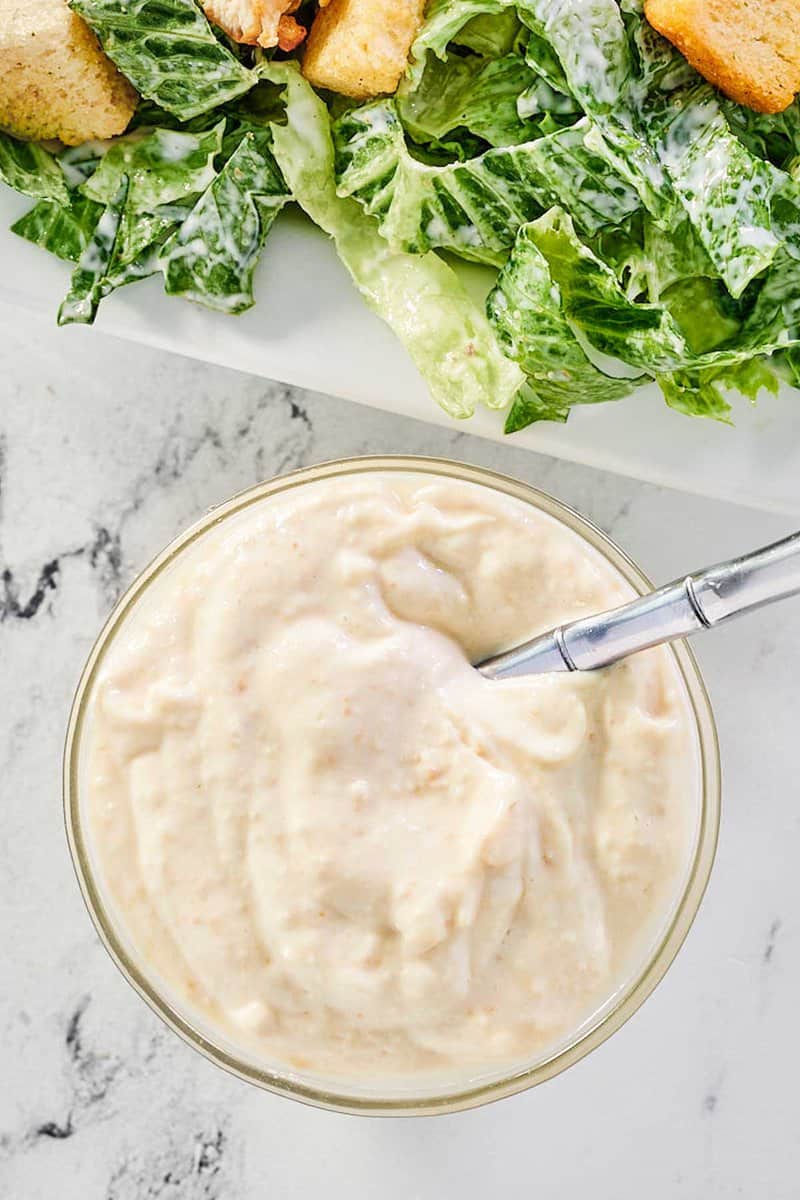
(638, 221)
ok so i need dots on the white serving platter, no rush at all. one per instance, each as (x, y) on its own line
(310, 327)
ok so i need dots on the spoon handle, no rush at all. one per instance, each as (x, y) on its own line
(698, 601)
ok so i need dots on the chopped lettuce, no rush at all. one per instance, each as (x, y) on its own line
(448, 20)
(473, 93)
(31, 169)
(588, 38)
(526, 309)
(211, 257)
(699, 393)
(89, 279)
(490, 34)
(474, 208)
(724, 191)
(419, 297)
(163, 171)
(644, 335)
(163, 166)
(63, 229)
(774, 137)
(169, 52)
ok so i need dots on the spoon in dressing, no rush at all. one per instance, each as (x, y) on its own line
(698, 601)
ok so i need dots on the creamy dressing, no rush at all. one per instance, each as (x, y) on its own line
(326, 835)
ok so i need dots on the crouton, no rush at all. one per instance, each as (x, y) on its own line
(55, 81)
(257, 22)
(360, 47)
(749, 49)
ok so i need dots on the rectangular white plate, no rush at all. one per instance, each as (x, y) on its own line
(310, 327)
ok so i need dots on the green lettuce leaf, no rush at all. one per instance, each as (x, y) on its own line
(143, 188)
(211, 257)
(772, 136)
(525, 308)
(466, 91)
(63, 229)
(528, 408)
(79, 163)
(589, 41)
(168, 51)
(163, 166)
(475, 208)
(140, 234)
(691, 367)
(699, 393)
(445, 20)
(420, 298)
(588, 37)
(490, 34)
(30, 169)
(88, 284)
(724, 190)
(543, 60)
(644, 335)
(787, 365)
(774, 323)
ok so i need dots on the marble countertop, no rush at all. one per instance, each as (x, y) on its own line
(106, 452)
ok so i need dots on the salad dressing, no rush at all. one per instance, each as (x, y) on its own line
(332, 841)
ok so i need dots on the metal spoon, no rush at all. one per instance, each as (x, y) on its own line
(698, 601)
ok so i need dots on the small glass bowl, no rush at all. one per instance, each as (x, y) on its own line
(368, 1097)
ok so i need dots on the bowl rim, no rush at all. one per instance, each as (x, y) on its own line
(610, 1017)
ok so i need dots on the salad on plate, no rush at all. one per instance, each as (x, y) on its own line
(633, 221)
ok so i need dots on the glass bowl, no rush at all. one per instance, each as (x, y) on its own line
(413, 1098)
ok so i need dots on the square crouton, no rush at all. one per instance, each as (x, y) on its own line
(55, 81)
(749, 49)
(359, 48)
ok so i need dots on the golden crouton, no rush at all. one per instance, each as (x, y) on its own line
(749, 49)
(360, 48)
(55, 81)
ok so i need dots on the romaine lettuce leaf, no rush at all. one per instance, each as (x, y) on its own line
(543, 60)
(724, 190)
(704, 311)
(466, 91)
(88, 284)
(644, 335)
(588, 37)
(143, 188)
(444, 21)
(163, 166)
(141, 233)
(526, 310)
(78, 163)
(490, 34)
(63, 229)
(672, 254)
(787, 365)
(31, 169)
(211, 257)
(690, 369)
(420, 298)
(528, 408)
(695, 394)
(475, 208)
(773, 136)
(168, 51)
(699, 393)
(589, 41)
(774, 322)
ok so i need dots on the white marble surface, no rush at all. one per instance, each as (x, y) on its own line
(106, 451)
